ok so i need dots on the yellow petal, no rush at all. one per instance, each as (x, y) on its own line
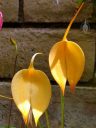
(66, 61)
(75, 61)
(24, 107)
(20, 92)
(31, 89)
(57, 63)
(41, 97)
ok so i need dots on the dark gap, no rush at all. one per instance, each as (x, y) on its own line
(5, 79)
(80, 83)
(21, 11)
(94, 62)
(44, 25)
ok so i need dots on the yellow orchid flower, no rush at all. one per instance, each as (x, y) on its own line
(67, 60)
(31, 89)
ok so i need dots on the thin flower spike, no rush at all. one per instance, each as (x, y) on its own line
(31, 89)
(67, 60)
(1, 20)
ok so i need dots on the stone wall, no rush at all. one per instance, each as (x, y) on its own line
(36, 25)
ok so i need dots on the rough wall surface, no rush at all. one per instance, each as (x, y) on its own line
(31, 41)
(10, 10)
(79, 108)
(50, 11)
(36, 25)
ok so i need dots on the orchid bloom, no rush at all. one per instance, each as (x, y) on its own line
(1, 20)
(67, 60)
(31, 89)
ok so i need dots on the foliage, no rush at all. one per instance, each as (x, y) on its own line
(80, 1)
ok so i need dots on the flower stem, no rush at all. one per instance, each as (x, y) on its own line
(71, 22)
(47, 119)
(26, 126)
(62, 110)
(40, 125)
(16, 51)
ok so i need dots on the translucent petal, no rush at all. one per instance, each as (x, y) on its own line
(31, 87)
(57, 63)
(75, 63)
(20, 92)
(66, 61)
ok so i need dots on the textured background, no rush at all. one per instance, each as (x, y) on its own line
(36, 25)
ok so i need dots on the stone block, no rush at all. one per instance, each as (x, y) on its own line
(49, 11)
(79, 109)
(32, 40)
(10, 10)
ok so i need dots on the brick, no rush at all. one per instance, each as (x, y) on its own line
(10, 10)
(49, 11)
(31, 40)
(5, 107)
(79, 108)
(82, 105)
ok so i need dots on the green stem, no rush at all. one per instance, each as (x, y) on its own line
(40, 125)
(26, 126)
(62, 110)
(47, 119)
(11, 105)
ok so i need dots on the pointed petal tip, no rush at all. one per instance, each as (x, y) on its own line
(36, 115)
(62, 90)
(72, 89)
(36, 121)
(25, 120)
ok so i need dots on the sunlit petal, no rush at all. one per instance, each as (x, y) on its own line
(24, 108)
(20, 92)
(57, 63)
(67, 60)
(31, 89)
(75, 63)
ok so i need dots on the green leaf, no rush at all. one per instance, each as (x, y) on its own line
(13, 42)
(80, 1)
(94, 2)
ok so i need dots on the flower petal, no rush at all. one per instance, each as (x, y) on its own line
(20, 93)
(1, 20)
(66, 61)
(75, 63)
(57, 63)
(40, 96)
(31, 88)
